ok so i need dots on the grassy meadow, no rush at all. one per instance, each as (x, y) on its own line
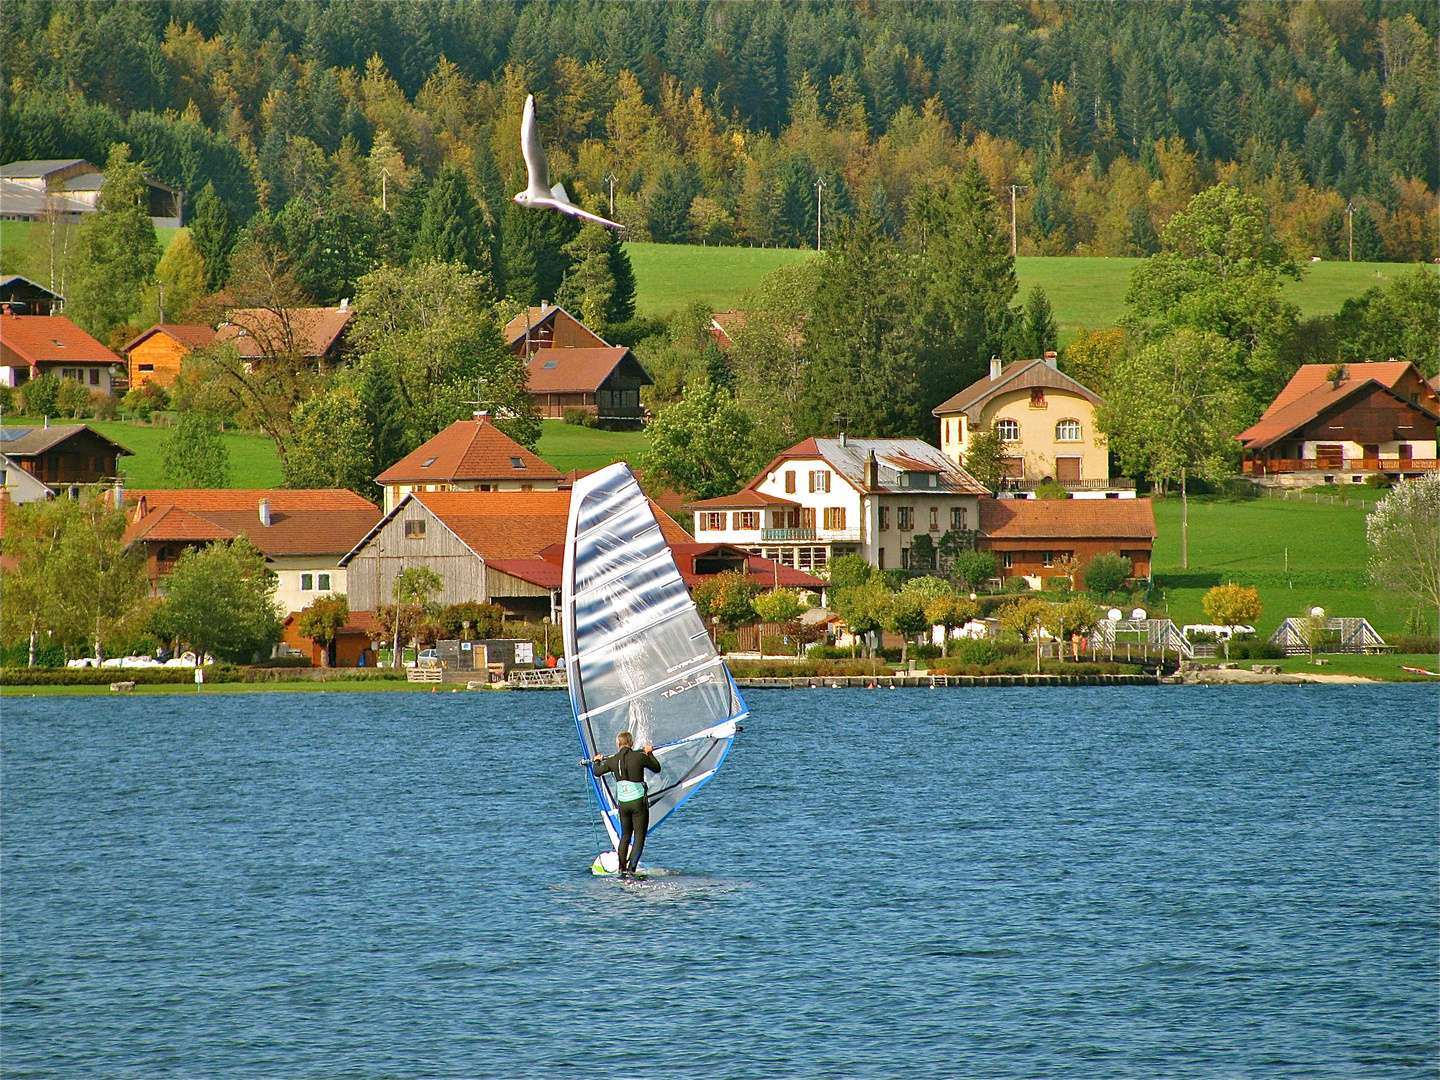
(1084, 292)
(568, 446)
(1297, 555)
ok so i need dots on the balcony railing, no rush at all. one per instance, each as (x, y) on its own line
(1118, 483)
(787, 534)
(1381, 464)
(823, 536)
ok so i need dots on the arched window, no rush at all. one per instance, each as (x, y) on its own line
(1008, 430)
(1067, 431)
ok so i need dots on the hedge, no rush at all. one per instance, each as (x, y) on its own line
(215, 673)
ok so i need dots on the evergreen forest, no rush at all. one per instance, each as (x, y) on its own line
(734, 123)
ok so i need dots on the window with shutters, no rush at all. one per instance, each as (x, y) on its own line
(747, 519)
(820, 481)
(790, 482)
(713, 520)
(415, 529)
(905, 517)
(835, 517)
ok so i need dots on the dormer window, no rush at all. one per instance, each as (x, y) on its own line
(917, 479)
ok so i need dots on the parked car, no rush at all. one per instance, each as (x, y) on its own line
(428, 658)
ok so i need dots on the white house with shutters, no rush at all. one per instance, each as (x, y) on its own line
(827, 497)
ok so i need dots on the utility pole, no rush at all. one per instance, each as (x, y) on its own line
(1013, 189)
(820, 186)
(609, 178)
(1350, 227)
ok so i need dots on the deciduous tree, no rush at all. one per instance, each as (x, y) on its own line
(116, 250)
(194, 455)
(702, 445)
(323, 620)
(1403, 532)
(220, 600)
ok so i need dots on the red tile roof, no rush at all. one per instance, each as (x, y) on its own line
(1057, 519)
(192, 337)
(1309, 393)
(578, 371)
(742, 499)
(259, 332)
(175, 524)
(1311, 377)
(50, 339)
(302, 522)
(469, 450)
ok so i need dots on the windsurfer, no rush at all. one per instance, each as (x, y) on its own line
(631, 799)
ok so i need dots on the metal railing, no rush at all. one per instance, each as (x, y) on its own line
(787, 534)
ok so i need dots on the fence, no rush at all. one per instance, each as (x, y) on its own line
(1300, 495)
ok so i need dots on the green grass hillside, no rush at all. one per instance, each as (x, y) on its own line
(567, 446)
(1083, 292)
(1297, 555)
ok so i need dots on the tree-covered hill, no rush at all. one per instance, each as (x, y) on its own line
(717, 120)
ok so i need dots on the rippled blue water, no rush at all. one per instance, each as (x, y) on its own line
(1126, 882)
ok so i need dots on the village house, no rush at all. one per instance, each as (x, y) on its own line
(67, 189)
(1338, 424)
(21, 296)
(1031, 537)
(549, 327)
(828, 497)
(35, 345)
(1047, 422)
(51, 459)
(313, 333)
(605, 383)
(469, 455)
(156, 355)
(570, 367)
(459, 535)
(302, 533)
(507, 548)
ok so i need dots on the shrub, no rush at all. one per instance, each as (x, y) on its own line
(828, 652)
(103, 405)
(980, 651)
(47, 654)
(974, 568)
(1379, 480)
(1415, 644)
(1106, 573)
(579, 417)
(72, 399)
(925, 651)
(1050, 489)
(1016, 584)
(1058, 584)
(7, 399)
(39, 394)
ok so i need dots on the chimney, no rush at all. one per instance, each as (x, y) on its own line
(995, 366)
(1052, 359)
(481, 415)
(842, 439)
(47, 421)
(265, 512)
(119, 493)
(872, 471)
(345, 304)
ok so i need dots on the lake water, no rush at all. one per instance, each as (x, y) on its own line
(1121, 882)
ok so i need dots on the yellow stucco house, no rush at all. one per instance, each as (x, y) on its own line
(1046, 419)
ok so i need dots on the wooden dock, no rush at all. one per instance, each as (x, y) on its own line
(891, 682)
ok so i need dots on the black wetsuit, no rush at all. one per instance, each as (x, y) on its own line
(630, 764)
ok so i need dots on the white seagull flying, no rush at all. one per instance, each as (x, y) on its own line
(538, 192)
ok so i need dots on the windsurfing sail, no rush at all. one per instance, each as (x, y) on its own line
(637, 654)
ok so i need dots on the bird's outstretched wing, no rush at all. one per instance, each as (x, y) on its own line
(533, 151)
(570, 208)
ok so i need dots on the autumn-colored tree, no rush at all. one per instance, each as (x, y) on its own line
(322, 621)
